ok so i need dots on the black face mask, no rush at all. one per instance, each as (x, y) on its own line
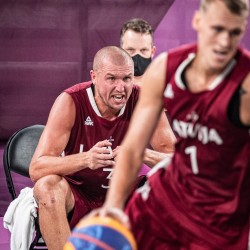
(140, 64)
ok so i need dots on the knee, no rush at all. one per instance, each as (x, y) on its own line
(50, 190)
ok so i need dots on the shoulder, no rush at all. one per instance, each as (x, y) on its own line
(242, 68)
(243, 58)
(63, 100)
(185, 48)
(173, 55)
(78, 87)
(179, 54)
(135, 93)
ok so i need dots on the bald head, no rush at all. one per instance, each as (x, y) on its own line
(111, 54)
(112, 76)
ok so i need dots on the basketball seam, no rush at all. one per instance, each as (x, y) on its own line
(92, 240)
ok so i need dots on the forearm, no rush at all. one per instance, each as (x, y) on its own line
(152, 157)
(57, 165)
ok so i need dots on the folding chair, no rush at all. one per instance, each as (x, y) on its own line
(17, 156)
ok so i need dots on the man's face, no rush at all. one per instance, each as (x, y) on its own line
(219, 33)
(137, 43)
(113, 86)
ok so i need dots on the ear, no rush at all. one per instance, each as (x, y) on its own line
(153, 51)
(196, 20)
(93, 76)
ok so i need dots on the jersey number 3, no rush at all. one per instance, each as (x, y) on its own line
(109, 175)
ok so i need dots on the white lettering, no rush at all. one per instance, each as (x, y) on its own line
(203, 133)
(184, 128)
(213, 136)
(81, 148)
(193, 131)
(109, 175)
(192, 151)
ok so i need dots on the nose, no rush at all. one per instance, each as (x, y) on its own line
(120, 85)
(225, 39)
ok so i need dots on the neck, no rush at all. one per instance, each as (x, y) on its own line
(198, 77)
(106, 112)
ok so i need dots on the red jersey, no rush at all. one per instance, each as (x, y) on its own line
(89, 128)
(208, 180)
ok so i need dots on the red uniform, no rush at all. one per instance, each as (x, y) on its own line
(201, 201)
(89, 186)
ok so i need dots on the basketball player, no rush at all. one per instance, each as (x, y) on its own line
(201, 200)
(136, 37)
(74, 160)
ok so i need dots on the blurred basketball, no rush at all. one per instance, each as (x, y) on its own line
(100, 233)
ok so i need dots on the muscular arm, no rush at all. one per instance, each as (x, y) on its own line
(162, 142)
(47, 158)
(130, 156)
(245, 102)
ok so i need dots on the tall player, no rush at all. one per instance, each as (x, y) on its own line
(88, 122)
(201, 201)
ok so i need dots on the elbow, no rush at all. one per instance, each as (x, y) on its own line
(166, 146)
(33, 172)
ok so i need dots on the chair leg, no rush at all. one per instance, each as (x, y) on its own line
(35, 243)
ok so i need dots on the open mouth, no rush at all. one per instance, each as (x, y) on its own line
(118, 97)
(221, 54)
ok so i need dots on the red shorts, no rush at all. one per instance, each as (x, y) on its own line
(86, 203)
(83, 205)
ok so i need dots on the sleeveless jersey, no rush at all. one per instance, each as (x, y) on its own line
(89, 128)
(208, 180)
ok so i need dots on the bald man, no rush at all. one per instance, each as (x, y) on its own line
(74, 159)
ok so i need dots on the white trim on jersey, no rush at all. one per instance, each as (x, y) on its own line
(216, 81)
(223, 75)
(161, 164)
(93, 103)
(181, 68)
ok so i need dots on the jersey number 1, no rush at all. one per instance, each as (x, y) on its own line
(192, 151)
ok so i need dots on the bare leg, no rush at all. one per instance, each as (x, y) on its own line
(55, 200)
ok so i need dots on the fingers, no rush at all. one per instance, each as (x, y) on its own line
(103, 163)
(113, 212)
(104, 143)
(93, 213)
(117, 214)
(101, 155)
(104, 147)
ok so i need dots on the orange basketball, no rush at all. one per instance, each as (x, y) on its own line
(100, 233)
